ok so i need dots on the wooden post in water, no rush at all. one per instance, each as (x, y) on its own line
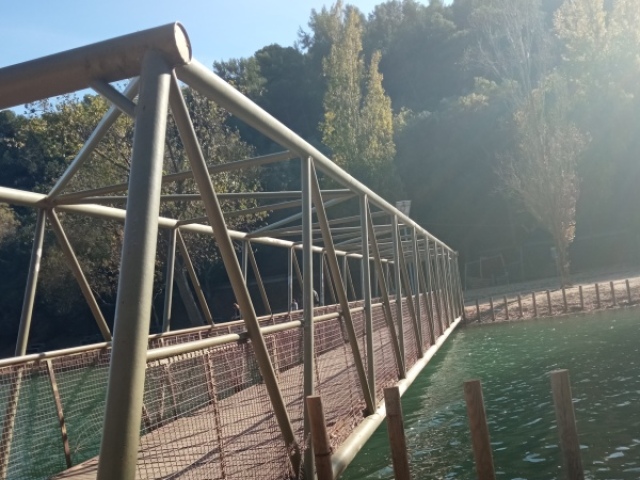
(581, 298)
(506, 308)
(493, 312)
(567, 431)
(628, 290)
(479, 430)
(564, 300)
(613, 294)
(397, 439)
(549, 303)
(319, 438)
(520, 305)
(535, 307)
(597, 296)
(478, 310)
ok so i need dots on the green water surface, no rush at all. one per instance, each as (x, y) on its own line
(513, 360)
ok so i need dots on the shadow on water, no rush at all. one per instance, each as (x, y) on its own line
(513, 361)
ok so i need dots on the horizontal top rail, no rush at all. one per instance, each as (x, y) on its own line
(108, 61)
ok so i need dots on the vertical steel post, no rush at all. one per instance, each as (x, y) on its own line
(366, 294)
(429, 307)
(32, 283)
(232, 266)
(344, 271)
(396, 280)
(245, 261)
(307, 304)
(289, 279)
(436, 292)
(8, 423)
(334, 269)
(321, 280)
(123, 412)
(386, 303)
(168, 289)
(416, 282)
(406, 284)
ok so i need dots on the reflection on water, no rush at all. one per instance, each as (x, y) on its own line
(513, 361)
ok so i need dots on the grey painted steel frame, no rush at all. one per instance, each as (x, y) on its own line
(123, 411)
(232, 266)
(307, 305)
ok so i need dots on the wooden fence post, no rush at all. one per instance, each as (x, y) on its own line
(581, 298)
(478, 310)
(520, 305)
(564, 300)
(506, 308)
(320, 438)
(613, 294)
(567, 431)
(493, 312)
(628, 290)
(397, 439)
(535, 307)
(597, 296)
(549, 303)
(479, 430)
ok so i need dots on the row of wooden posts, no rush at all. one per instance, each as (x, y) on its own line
(480, 439)
(614, 302)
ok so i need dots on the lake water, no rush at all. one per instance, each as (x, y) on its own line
(513, 360)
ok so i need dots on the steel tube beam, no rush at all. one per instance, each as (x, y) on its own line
(366, 295)
(256, 272)
(332, 260)
(266, 230)
(193, 276)
(114, 96)
(209, 84)
(168, 289)
(35, 200)
(406, 284)
(289, 278)
(416, 267)
(307, 305)
(11, 410)
(74, 197)
(296, 266)
(123, 411)
(110, 61)
(398, 286)
(230, 260)
(195, 197)
(76, 269)
(92, 142)
(427, 299)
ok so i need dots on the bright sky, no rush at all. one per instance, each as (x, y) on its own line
(218, 29)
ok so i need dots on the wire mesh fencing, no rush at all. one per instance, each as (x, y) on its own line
(206, 414)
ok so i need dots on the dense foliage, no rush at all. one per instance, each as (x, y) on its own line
(510, 124)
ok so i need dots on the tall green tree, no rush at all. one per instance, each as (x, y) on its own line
(357, 128)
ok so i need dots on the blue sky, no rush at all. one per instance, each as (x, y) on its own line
(218, 29)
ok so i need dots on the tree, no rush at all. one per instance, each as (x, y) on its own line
(357, 128)
(541, 174)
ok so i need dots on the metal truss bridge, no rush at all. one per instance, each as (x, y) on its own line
(224, 400)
